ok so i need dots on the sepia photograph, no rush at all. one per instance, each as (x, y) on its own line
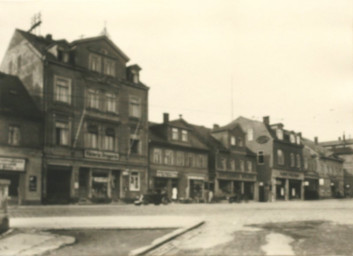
(176, 128)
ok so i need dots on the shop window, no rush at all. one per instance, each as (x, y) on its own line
(157, 156)
(292, 160)
(280, 157)
(109, 67)
(95, 62)
(134, 181)
(184, 135)
(180, 158)
(134, 107)
(93, 99)
(62, 92)
(168, 157)
(175, 134)
(298, 161)
(260, 157)
(135, 145)
(232, 141)
(109, 139)
(61, 133)
(249, 166)
(250, 134)
(14, 135)
(92, 136)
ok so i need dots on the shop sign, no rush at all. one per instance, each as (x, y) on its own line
(196, 178)
(167, 174)
(100, 179)
(288, 175)
(101, 155)
(12, 164)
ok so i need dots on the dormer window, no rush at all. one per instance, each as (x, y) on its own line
(298, 139)
(184, 135)
(175, 134)
(135, 76)
(250, 134)
(240, 142)
(279, 134)
(292, 138)
(66, 57)
(95, 62)
(109, 67)
(233, 141)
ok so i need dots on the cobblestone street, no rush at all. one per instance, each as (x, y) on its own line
(224, 222)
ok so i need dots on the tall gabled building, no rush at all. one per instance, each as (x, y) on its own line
(95, 115)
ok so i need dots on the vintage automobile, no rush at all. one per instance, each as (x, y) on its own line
(4, 217)
(153, 197)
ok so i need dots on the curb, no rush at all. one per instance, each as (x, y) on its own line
(164, 239)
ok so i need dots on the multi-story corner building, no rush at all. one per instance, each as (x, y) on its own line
(178, 159)
(279, 158)
(343, 148)
(95, 115)
(232, 166)
(323, 171)
(20, 142)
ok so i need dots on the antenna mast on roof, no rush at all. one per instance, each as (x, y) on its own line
(105, 31)
(35, 23)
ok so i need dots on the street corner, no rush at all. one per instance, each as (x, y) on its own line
(31, 242)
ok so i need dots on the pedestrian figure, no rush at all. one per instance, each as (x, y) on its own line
(210, 196)
(174, 194)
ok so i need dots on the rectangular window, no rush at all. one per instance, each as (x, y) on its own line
(240, 142)
(95, 62)
(62, 90)
(93, 99)
(135, 107)
(14, 135)
(109, 67)
(134, 181)
(175, 134)
(242, 166)
(250, 166)
(190, 160)
(168, 157)
(109, 139)
(180, 158)
(92, 136)
(111, 100)
(233, 141)
(61, 133)
(232, 165)
(200, 161)
(223, 164)
(260, 157)
(250, 134)
(184, 135)
(298, 161)
(135, 145)
(280, 157)
(157, 156)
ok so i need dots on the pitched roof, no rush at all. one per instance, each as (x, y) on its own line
(15, 100)
(337, 142)
(320, 150)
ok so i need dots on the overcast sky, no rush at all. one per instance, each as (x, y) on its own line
(291, 60)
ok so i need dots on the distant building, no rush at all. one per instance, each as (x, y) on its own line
(279, 158)
(178, 159)
(324, 176)
(20, 142)
(232, 166)
(95, 116)
(343, 148)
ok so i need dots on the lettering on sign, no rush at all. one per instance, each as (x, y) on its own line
(12, 164)
(167, 174)
(100, 179)
(101, 155)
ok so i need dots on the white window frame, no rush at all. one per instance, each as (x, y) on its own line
(232, 165)
(93, 98)
(133, 139)
(109, 67)
(249, 166)
(135, 107)
(242, 165)
(180, 158)
(298, 139)
(250, 134)
(280, 157)
(184, 135)
(64, 133)
(111, 102)
(109, 142)
(279, 133)
(157, 156)
(292, 138)
(233, 141)
(61, 83)
(134, 181)
(260, 154)
(168, 157)
(95, 62)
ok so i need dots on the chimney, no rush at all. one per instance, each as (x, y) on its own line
(165, 118)
(49, 37)
(339, 138)
(316, 139)
(215, 126)
(344, 137)
(180, 116)
(266, 120)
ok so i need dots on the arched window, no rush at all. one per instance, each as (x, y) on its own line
(280, 157)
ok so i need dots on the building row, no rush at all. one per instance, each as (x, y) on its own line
(74, 128)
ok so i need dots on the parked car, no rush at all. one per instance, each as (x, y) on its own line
(153, 197)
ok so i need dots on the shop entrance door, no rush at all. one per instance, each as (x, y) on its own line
(116, 185)
(196, 189)
(13, 190)
(280, 189)
(58, 185)
(295, 189)
(83, 180)
(249, 190)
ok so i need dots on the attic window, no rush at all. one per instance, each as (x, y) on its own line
(135, 76)
(279, 134)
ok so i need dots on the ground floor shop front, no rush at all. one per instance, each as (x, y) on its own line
(287, 185)
(92, 182)
(24, 175)
(232, 184)
(179, 184)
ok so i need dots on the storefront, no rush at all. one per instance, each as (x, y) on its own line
(311, 186)
(24, 175)
(287, 185)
